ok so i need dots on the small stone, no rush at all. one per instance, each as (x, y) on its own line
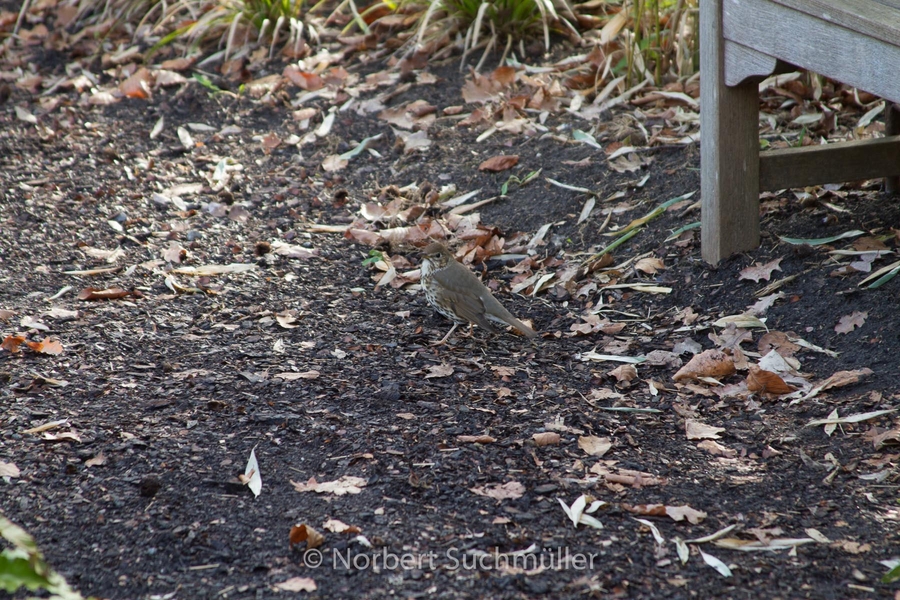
(149, 485)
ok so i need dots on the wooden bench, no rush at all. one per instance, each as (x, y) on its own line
(856, 42)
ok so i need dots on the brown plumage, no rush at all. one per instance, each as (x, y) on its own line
(455, 292)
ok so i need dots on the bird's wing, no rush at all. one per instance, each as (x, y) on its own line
(466, 306)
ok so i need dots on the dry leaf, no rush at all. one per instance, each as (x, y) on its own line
(334, 163)
(850, 322)
(778, 341)
(696, 430)
(66, 436)
(297, 584)
(709, 363)
(475, 439)
(336, 526)
(548, 438)
(508, 491)
(8, 469)
(347, 484)
(251, 477)
(499, 163)
(291, 376)
(717, 449)
(650, 265)
(758, 271)
(441, 370)
(843, 378)
(138, 85)
(760, 381)
(624, 373)
(676, 513)
(107, 294)
(595, 446)
(580, 511)
(852, 547)
(305, 533)
(47, 426)
(48, 346)
(890, 437)
(413, 141)
(302, 79)
(97, 461)
(680, 513)
(11, 343)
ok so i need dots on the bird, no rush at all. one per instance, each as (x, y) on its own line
(455, 292)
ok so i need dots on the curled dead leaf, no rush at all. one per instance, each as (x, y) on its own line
(709, 363)
(676, 513)
(336, 526)
(717, 449)
(890, 437)
(649, 265)
(47, 346)
(593, 445)
(297, 584)
(305, 533)
(760, 381)
(495, 164)
(113, 293)
(475, 439)
(547, 438)
(624, 373)
(696, 430)
(11, 343)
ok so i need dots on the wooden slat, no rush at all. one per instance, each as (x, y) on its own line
(817, 44)
(834, 163)
(729, 164)
(892, 127)
(879, 19)
(742, 62)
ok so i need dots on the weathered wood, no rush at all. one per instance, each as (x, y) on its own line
(856, 42)
(878, 18)
(833, 163)
(742, 63)
(892, 127)
(858, 56)
(729, 148)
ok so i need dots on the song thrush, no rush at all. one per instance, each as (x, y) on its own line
(455, 292)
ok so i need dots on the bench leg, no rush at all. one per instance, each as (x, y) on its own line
(892, 127)
(729, 148)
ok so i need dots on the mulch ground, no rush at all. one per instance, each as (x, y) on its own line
(166, 391)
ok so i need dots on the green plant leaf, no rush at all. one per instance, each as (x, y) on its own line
(205, 82)
(24, 566)
(16, 571)
(374, 257)
(680, 230)
(360, 147)
(821, 241)
(884, 279)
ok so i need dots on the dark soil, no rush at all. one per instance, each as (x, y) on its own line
(173, 390)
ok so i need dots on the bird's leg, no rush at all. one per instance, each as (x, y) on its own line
(444, 339)
(470, 333)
